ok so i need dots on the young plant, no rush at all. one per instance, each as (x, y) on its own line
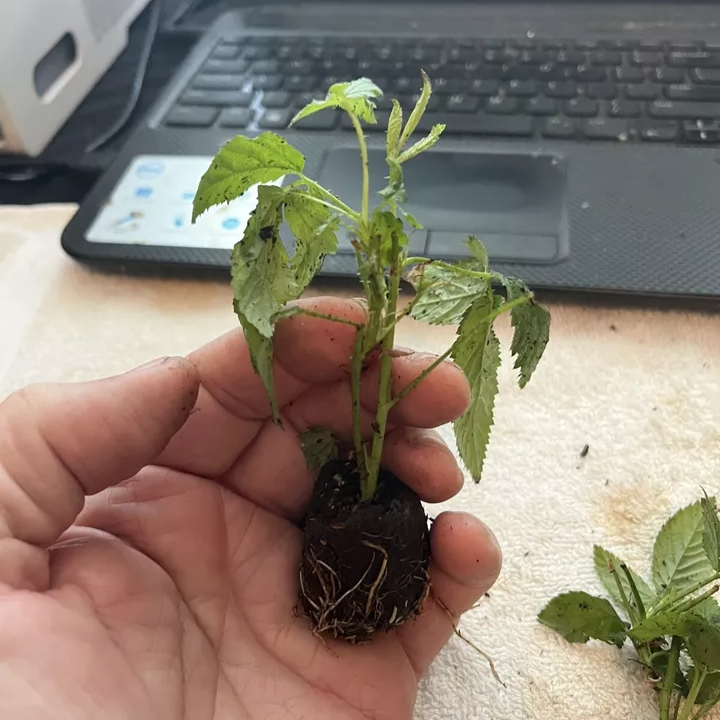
(674, 623)
(366, 536)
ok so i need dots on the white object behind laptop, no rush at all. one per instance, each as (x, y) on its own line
(52, 53)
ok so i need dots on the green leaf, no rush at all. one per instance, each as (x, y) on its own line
(710, 690)
(394, 129)
(315, 230)
(418, 111)
(445, 293)
(394, 193)
(262, 279)
(603, 559)
(578, 617)
(411, 219)
(422, 145)
(478, 251)
(711, 532)
(477, 352)
(703, 641)
(261, 356)
(709, 610)
(319, 446)
(242, 163)
(355, 98)
(532, 329)
(679, 559)
(661, 624)
(389, 235)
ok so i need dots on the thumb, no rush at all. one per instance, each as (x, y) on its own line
(59, 443)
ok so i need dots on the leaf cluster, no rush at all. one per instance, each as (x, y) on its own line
(673, 621)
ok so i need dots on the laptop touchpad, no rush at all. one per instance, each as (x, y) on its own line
(514, 203)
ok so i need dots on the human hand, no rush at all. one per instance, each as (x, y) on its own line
(171, 595)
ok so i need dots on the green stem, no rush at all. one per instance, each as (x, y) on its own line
(669, 684)
(355, 379)
(365, 170)
(323, 316)
(623, 595)
(696, 601)
(695, 688)
(705, 710)
(671, 600)
(333, 201)
(635, 592)
(409, 388)
(385, 383)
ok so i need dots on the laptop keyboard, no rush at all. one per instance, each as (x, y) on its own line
(612, 91)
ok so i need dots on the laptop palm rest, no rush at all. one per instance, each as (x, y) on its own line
(514, 203)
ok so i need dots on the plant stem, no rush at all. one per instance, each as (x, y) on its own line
(690, 604)
(385, 384)
(706, 708)
(355, 379)
(671, 673)
(332, 200)
(635, 591)
(669, 600)
(695, 688)
(323, 316)
(623, 595)
(365, 171)
(409, 388)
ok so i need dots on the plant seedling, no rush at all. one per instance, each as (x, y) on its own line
(674, 623)
(366, 550)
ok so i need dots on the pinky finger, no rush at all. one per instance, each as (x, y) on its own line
(466, 562)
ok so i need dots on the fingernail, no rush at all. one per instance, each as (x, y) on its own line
(152, 364)
(400, 351)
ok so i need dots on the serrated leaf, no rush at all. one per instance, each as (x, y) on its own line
(319, 446)
(394, 193)
(710, 690)
(679, 558)
(261, 356)
(422, 145)
(411, 219)
(711, 530)
(445, 293)
(532, 329)
(477, 352)
(603, 559)
(578, 617)
(669, 622)
(394, 130)
(353, 97)
(262, 279)
(418, 111)
(709, 610)
(315, 230)
(478, 251)
(703, 641)
(242, 163)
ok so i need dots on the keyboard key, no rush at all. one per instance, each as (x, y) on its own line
(619, 44)
(656, 131)
(571, 57)
(589, 74)
(236, 117)
(675, 76)
(602, 128)
(218, 98)
(624, 108)
(602, 91)
(484, 88)
(605, 57)
(275, 119)
(644, 91)
(629, 74)
(502, 104)
(550, 71)
(515, 72)
(560, 127)
(494, 56)
(218, 82)
(535, 57)
(404, 84)
(641, 57)
(191, 116)
(480, 124)
(522, 88)
(255, 52)
(268, 82)
(458, 54)
(232, 67)
(541, 106)
(684, 110)
(323, 120)
(694, 59)
(226, 51)
(709, 93)
(561, 90)
(300, 83)
(446, 86)
(266, 67)
(410, 101)
(582, 107)
(705, 76)
(463, 103)
(702, 132)
(305, 98)
(299, 67)
(681, 47)
(277, 99)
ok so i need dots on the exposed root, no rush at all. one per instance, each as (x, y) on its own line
(467, 641)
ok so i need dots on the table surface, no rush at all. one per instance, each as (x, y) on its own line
(641, 387)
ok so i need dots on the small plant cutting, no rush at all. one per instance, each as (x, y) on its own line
(673, 623)
(366, 549)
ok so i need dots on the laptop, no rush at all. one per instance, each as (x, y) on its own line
(582, 142)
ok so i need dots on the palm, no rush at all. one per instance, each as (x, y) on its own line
(173, 595)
